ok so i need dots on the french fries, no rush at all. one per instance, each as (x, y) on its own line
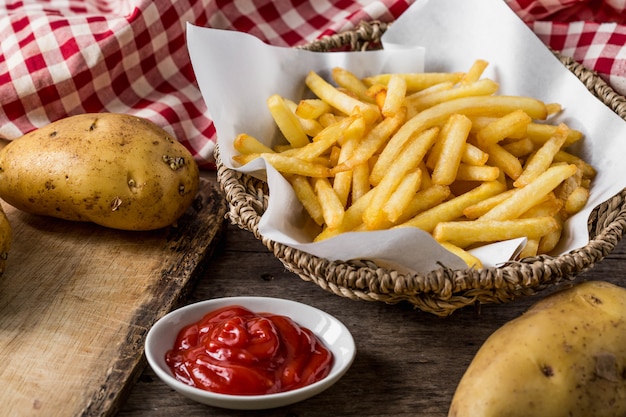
(442, 152)
(287, 121)
(465, 233)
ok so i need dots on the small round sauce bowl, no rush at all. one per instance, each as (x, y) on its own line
(335, 336)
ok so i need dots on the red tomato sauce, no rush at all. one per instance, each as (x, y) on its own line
(235, 351)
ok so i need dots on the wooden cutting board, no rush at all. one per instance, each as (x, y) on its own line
(76, 301)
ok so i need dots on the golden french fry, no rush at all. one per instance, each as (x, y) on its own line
(469, 106)
(314, 149)
(246, 144)
(394, 97)
(553, 108)
(478, 209)
(349, 81)
(312, 108)
(286, 120)
(372, 161)
(284, 148)
(342, 184)
(402, 195)
(424, 199)
(471, 260)
(379, 96)
(335, 131)
(543, 157)
(453, 209)
(550, 240)
(339, 100)
(306, 194)
(452, 140)
(360, 181)
(587, 170)
(480, 122)
(243, 159)
(433, 89)
(327, 233)
(548, 207)
(426, 180)
(480, 173)
(473, 155)
(417, 81)
(407, 161)
(311, 127)
(519, 147)
(373, 141)
(466, 233)
(530, 249)
(568, 186)
(433, 155)
(355, 131)
(585, 182)
(291, 165)
(475, 72)
(322, 160)
(306, 154)
(327, 119)
(528, 196)
(483, 87)
(376, 93)
(332, 209)
(333, 155)
(576, 200)
(352, 218)
(512, 124)
(323, 141)
(508, 163)
(539, 133)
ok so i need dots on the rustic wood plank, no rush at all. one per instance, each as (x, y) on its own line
(408, 362)
(76, 301)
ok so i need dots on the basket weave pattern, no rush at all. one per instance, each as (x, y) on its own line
(443, 290)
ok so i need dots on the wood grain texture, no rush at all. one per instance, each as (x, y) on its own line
(408, 362)
(76, 301)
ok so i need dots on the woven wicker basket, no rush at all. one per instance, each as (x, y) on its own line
(444, 290)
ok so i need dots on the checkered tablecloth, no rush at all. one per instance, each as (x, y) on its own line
(64, 57)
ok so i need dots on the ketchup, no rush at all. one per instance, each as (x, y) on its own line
(235, 351)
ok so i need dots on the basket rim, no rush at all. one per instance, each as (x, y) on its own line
(443, 290)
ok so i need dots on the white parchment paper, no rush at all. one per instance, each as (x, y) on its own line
(236, 73)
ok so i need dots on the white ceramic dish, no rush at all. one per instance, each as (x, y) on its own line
(331, 331)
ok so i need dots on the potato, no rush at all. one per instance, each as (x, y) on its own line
(566, 356)
(115, 170)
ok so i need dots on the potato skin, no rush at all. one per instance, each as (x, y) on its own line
(115, 170)
(566, 356)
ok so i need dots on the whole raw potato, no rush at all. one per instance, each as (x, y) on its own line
(565, 357)
(115, 170)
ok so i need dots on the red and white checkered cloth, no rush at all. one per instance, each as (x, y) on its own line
(64, 57)
(590, 31)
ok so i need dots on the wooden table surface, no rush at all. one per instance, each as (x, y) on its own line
(408, 362)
